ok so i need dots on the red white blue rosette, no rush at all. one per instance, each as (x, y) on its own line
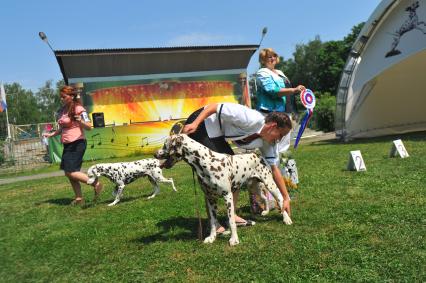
(308, 100)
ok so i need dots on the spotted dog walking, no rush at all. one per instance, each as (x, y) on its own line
(123, 173)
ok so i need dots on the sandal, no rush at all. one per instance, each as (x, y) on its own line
(77, 201)
(246, 223)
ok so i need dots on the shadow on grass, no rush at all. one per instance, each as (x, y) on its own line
(187, 227)
(122, 200)
(58, 201)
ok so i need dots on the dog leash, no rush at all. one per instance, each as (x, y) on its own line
(197, 206)
(197, 209)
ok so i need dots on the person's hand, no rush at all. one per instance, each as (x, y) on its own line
(189, 128)
(47, 135)
(286, 206)
(77, 118)
(300, 88)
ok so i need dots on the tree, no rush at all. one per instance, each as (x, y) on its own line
(48, 101)
(21, 105)
(318, 65)
(349, 40)
(304, 67)
(331, 61)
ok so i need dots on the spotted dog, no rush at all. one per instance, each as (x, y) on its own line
(259, 188)
(219, 176)
(123, 173)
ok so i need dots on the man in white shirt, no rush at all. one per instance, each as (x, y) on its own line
(214, 124)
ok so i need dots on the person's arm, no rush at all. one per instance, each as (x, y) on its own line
(83, 120)
(279, 181)
(270, 87)
(290, 90)
(207, 111)
(85, 125)
(52, 134)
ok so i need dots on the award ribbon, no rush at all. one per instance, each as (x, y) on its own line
(308, 100)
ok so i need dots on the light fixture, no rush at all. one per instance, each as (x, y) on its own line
(264, 31)
(43, 37)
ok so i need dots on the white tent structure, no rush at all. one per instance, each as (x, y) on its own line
(382, 90)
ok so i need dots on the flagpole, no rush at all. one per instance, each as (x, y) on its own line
(7, 114)
(8, 127)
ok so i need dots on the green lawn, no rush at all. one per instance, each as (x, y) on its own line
(348, 226)
(47, 167)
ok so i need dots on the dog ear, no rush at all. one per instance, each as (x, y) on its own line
(174, 139)
(177, 143)
(179, 139)
(173, 144)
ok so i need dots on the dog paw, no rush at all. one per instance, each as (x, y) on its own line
(209, 240)
(112, 203)
(287, 219)
(265, 212)
(150, 197)
(233, 241)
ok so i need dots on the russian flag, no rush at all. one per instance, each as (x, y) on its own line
(3, 104)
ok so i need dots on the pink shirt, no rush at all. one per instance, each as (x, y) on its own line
(71, 130)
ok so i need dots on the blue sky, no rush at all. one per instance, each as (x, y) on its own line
(94, 24)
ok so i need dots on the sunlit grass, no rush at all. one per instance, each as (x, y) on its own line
(348, 226)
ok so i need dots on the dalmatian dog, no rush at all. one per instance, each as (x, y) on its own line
(123, 173)
(288, 170)
(219, 176)
(259, 188)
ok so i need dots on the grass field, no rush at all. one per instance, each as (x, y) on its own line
(348, 226)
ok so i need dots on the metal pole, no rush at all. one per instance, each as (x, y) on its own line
(8, 126)
(3, 91)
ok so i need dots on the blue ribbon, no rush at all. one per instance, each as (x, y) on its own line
(306, 118)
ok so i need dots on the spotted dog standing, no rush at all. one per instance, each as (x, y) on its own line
(123, 173)
(219, 175)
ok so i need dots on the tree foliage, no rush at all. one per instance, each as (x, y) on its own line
(318, 65)
(48, 101)
(21, 105)
(26, 107)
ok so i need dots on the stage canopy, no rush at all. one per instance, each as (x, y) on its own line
(136, 97)
(382, 88)
(101, 63)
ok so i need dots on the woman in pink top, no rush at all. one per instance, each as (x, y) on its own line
(72, 118)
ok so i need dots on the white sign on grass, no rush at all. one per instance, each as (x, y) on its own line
(356, 162)
(398, 148)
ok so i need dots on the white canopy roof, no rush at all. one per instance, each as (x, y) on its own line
(383, 87)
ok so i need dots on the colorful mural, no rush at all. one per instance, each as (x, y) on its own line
(140, 114)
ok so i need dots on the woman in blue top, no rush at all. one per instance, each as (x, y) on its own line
(272, 85)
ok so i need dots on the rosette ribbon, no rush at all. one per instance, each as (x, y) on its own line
(308, 100)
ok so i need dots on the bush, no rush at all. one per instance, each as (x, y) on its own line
(324, 112)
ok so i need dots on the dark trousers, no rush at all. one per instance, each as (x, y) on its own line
(218, 144)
